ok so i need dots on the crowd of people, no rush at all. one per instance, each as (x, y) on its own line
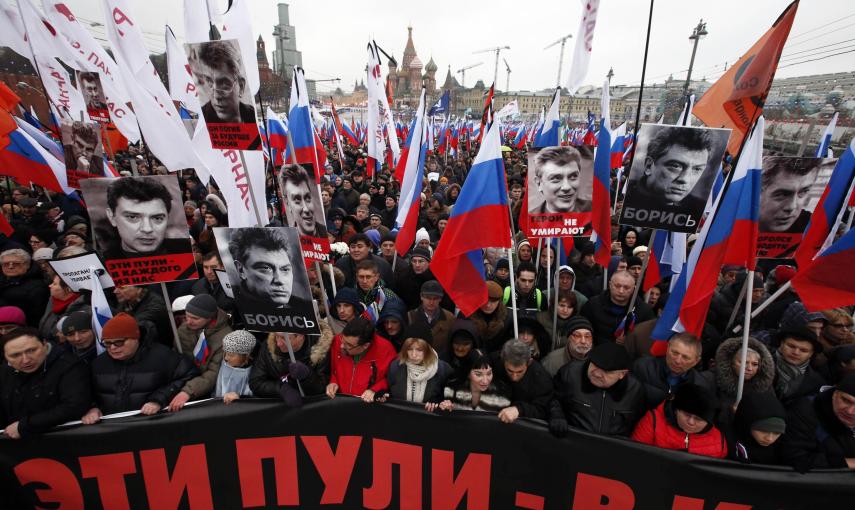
(390, 332)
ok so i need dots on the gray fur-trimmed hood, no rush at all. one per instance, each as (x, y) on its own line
(727, 381)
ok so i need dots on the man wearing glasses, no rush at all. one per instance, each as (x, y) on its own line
(134, 374)
(359, 361)
(218, 71)
(22, 285)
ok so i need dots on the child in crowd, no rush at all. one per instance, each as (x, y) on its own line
(233, 379)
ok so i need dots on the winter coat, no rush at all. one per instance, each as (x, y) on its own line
(653, 373)
(440, 329)
(741, 445)
(29, 292)
(203, 385)
(203, 286)
(659, 428)
(47, 324)
(57, 393)
(400, 389)
(613, 411)
(722, 303)
(152, 309)
(265, 377)
(725, 380)
(348, 267)
(805, 385)
(605, 316)
(815, 437)
(493, 328)
(493, 400)
(154, 374)
(532, 394)
(639, 341)
(369, 372)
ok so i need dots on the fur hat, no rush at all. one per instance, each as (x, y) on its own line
(494, 290)
(239, 342)
(609, 356)
(696, 400)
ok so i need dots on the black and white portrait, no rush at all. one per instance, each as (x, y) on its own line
(671, 176)
(227, 104)
(89, 84)
(303, 206)
(560, 180)
(81, 143)
(268, 276)
(140, 228)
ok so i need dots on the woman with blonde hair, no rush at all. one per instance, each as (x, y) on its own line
(418, 375)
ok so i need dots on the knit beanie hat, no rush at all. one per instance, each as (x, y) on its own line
(388, 236)
(503, 264)
(696, 400)
(578, 322)
(847, 384)
(348, 295)
(374, 236)
(610, 356)
(422, 235)
(122, 325)
(239, 342)
(634, 260)
(76, 321)
(420, 252)
(203, 305)
(43, 254)
(12, 315)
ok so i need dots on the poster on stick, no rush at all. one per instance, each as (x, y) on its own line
(790, 188)
(671, 176)
(560, 182)
(305, 211)
(227, 104)
(84, 153)
(89, 84)
(140, 228)
(269, 279)
(75, 271)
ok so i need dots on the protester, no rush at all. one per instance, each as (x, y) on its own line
(22, 285)
(147, 308)
(371, 289)
(609, 309)
(393, 324)
(432, 316)
(478, 391)
(210, 283)
(794, 377)
(492, 319)
(41, 385)
(663, 376)
(275, 375)
(346, 307)
(464, 338)
(757, 428)
(528, 297)
(11, 318)
(562, 314)
(62, 302)
(579, 341)
(359, 361)
(418, 375)
(79, 337)
(724, 376)
(529, 382)
(233, 376)
(360, 250)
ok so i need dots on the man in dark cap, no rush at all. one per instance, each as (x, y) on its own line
(79, 337)
(633, 265)
(598, 395)
(821, 429)
(432, 315)
(201, 339)
(580, 339)
(409, 286)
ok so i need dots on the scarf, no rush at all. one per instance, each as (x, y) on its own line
(417, 378)
(59, 305)
(232, 379)
(787, 373)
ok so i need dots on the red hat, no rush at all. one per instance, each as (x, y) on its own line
(121, 326)
(784, 273)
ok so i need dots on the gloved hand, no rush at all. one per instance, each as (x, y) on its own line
(298, 370)
(559, 427)
(290, 396)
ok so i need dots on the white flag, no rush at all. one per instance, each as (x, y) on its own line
(196, 21)
(164, 132)
(379, 113)
(237, 24)
(101, 312)
(511, 109)
(182, 86)
(584, 44)
(12, 31)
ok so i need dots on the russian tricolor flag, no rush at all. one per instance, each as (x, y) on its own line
(666, 257)
(201, 351)
(458, 263)
(548, 134)
(411, 184)
(829, 282)
(601, 224)
(618, 149)
(822, 150)
(300, 123)
(28, 162)
(728, 237)
(277, 136)
(101, 312)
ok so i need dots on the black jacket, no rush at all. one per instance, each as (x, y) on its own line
(741, 445)
(653, 374)
(397, 377)
(154, 374)
(605, 315)
(815, 437)
(613, 411)
(203, 286)
(152, 310)
(57, 393)
(532, 394)
(348, 267)
(29, 292)
(265, 376)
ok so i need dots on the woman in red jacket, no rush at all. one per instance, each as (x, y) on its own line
(359, 361)
(684, 423)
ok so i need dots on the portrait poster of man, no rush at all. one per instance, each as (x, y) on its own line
(560, 182)
(790, 188)
(227, 103)
(89, 84)
(269, 280)
(140, 228)
(304, 210)
(671, 176)
(84, 154)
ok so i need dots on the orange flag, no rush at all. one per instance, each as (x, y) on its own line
(8, 101)
(737, 98)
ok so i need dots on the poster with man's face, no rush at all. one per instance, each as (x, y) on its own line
(89, 84)
(789, 191)
(305, 210)
(140, 228)
(84, 155)
(268, 277)
(227, 104)
(560, 182)
(671, 176)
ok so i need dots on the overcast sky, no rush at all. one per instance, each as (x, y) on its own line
(332, 35)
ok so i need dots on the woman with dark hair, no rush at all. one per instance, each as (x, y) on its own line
(478, 392)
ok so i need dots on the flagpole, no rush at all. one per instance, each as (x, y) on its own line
(736, 306)
(765, 304)
(323, 290)
(641, 86)
(555, 315)
(332, 279)
(251, 191)
(746, 326)
(548, 268)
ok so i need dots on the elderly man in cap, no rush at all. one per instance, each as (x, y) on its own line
(201, 339)
(821, 429)
(432, 315)
(23, 285)
(580, 339)
(598, 395)
(134, 374)
(79, 337)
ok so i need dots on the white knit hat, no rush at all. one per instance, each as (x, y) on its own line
(239, 342)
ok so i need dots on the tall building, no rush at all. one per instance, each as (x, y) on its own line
(272, 89)
(407, 80)
(286, 56)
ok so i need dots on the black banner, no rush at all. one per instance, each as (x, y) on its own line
(258, 454)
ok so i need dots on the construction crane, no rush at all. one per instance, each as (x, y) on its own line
(507, 76)
(462, 72)
(498, 50)
(562, 41)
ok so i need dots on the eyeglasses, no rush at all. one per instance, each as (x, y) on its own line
(12, 264)
(580, 335)
(839, 325)
(350, 348)
(114, 343)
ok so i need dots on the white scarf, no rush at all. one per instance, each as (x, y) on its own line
(417, 378)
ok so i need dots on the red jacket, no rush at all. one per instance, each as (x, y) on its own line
(368, 373)
(655, 429)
